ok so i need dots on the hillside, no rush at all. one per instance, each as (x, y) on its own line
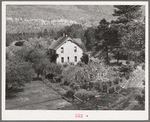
(38, 17)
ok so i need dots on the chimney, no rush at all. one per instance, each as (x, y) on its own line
(64, 34)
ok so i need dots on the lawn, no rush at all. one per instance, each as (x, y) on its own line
(35, 95)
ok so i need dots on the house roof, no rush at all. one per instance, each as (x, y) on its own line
(57, 43)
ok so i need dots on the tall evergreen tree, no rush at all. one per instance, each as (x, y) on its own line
(130, 12)
(107, 38)
(126, 16)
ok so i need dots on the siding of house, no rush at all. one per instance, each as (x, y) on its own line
(68, 54)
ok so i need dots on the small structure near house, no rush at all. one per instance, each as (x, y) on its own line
(68, 49)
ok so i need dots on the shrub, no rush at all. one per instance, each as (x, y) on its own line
(121, 80)
(57, 78)
(127, 75)
(135, 65)
(85, 58)
(111, 90)
(120, 63)
(68, 75)
(127, 62)
(71, 63)
(143, 82)
(69, 93)
(126, 68)
(97, 85)
(118, 87)
(74, 86)
(84, 94)
(65, 65)
(53, 70)
(143, 66)
(140, 99)
(81, 64)
(40, 65)
(116, 80)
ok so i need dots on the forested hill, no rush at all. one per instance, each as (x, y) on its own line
(37, 17)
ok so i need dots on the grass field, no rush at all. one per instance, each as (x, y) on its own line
(36, 95)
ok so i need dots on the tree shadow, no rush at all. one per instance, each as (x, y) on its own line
(12, 93)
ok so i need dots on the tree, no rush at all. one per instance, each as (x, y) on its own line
(51, 56)
(40, 65)
(107, 38)
(85, 58)
(128, 28)
(17, 74)
(90, 38)
(130, 12)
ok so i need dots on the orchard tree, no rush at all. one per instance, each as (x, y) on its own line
(17, 74)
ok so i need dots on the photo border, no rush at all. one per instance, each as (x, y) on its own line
(67, 114)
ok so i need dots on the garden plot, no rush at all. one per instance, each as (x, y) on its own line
(36, 95)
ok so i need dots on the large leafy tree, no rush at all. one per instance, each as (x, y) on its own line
(18, 72)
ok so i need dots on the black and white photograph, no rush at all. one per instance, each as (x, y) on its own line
(75, 58)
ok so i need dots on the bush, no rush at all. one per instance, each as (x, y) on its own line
(53, 70)
(127, 62)
(74, 86)
(65, 65)
(143, 66)
(118, 87)
(57, 78)
(140, 99)
(69, 93)
(40, 65)
(120, 63)
(127, 75)
(84, 94)
(71, 63)
(97, 85)
(135, 65)
(126, 68)
(17, 74)
(85, 58)
(68, 75)
(111, 90)
(81, 64)
(116, 80)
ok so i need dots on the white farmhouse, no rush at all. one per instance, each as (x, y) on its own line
(68, 49)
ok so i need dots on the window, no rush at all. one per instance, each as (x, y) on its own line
(62, 59)
(62, 50)
(75, 58)
(68, 59)
(75, 49)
